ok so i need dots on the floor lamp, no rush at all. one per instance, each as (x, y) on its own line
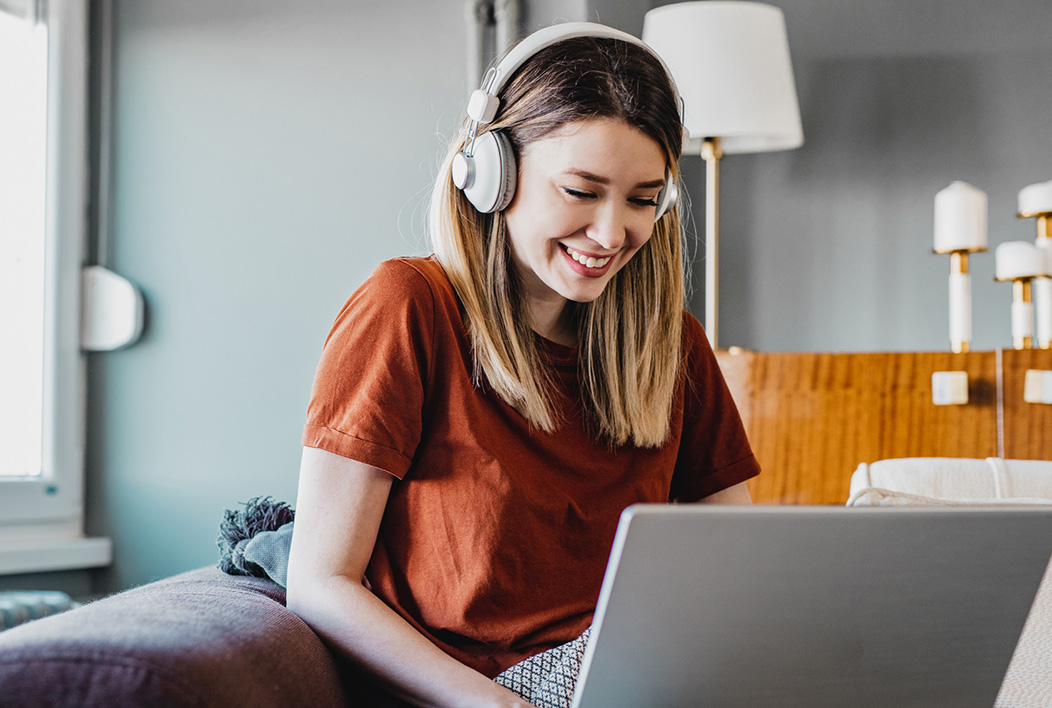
(732, 67)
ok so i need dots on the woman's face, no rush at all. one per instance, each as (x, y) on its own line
(584, 205)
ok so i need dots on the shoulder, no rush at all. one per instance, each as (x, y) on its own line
(695, 341)
(409, 274)
(416, 283)
(399, 312)
(700, 366)
(397, 292)
(692, 329)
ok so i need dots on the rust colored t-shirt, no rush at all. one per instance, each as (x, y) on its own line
(496, 536)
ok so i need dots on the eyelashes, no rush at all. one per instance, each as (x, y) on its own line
(578, 194)
(582, 195)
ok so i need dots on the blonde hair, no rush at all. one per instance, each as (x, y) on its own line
(629, 355)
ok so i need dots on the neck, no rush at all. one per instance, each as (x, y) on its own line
(553, 321)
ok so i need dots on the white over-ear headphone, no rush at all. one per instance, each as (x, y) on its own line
(485, 169)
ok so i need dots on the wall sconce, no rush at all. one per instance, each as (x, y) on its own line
(1035, 202)
(732, 67)
(960, 230)
(1020, 262)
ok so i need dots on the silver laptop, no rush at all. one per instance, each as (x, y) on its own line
(812, 606)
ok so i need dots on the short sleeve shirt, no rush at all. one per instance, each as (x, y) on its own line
(496, 534)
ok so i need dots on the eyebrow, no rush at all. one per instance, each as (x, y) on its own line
(599, 179)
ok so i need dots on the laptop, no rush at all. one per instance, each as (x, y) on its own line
(799, 607)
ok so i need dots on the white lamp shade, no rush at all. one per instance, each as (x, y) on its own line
(1036, 199)
(960, 218)
(1019, 259)
(732, 67)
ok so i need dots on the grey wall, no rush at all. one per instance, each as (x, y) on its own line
(828, 247)
(266, 155)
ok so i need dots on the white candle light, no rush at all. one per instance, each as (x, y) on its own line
(1036, 199)
(1020, 262)
(960, 219)
(960, 229)
(1017, 260)
(1043, 295)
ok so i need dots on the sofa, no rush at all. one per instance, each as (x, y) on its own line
(202, 639)
(210, 640)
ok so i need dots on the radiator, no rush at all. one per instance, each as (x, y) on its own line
(22, 606)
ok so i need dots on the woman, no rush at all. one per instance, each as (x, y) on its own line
(481, 417)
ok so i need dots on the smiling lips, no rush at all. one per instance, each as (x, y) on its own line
(590, 262)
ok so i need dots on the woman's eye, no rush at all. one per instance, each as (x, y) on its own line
(578, 194)
(642, 202)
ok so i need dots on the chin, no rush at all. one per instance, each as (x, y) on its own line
(584, 296)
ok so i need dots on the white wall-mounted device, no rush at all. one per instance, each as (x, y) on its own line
(112, 311)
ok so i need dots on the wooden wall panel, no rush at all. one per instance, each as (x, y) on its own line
(1027, 426)
(813, 417)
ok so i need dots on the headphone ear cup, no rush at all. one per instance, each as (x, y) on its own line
(509, 170)
(494, 173)
(666, 198)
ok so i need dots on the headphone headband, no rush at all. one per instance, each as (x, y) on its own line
(484, 101)
(548, 36)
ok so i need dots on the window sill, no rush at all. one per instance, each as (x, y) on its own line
(42, 555)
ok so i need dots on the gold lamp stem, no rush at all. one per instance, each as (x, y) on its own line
(711, 153)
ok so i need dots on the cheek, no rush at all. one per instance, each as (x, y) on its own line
(527, 239)
(637, 239)
(641, 234)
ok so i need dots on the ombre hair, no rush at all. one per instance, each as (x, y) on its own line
(629, 354)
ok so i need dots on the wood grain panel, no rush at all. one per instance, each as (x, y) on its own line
(813, 417)
(1027, 426)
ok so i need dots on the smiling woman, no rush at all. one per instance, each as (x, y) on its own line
(480, 418)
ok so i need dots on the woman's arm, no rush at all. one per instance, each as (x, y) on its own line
(736, 494)
(338, 511)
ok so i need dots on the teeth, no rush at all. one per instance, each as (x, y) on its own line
(587, 261)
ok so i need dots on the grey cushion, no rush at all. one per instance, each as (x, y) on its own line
(199, 639)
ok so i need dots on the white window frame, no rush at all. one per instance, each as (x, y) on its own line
(42, 518)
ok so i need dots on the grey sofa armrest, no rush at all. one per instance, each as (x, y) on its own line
(203, 639)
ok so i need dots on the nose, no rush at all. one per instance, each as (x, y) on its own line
(609, 228)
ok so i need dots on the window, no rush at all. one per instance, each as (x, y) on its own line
(43, 188)
(23, 145)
